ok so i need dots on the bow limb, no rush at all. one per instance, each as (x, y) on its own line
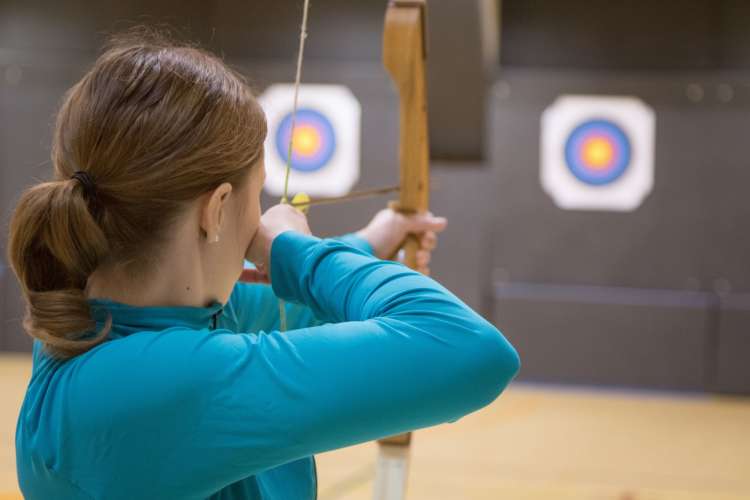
(404, 57)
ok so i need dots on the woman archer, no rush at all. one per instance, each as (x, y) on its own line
(156, 374)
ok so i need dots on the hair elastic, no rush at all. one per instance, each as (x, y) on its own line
(89, 188)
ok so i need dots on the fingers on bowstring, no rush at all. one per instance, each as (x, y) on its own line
(253, 276)
(428, 240)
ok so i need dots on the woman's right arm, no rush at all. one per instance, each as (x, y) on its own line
(400, 353)
(254, 307)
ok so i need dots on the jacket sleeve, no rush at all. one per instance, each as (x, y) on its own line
(398, 352)
(253, 307)
(182, 413)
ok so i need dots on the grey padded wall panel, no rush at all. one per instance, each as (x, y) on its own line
(689, 233)
(688, 236)
(27, 104)
(733, 348)
(74, 28)
(561, 339)
(635, 35)
(5, 271)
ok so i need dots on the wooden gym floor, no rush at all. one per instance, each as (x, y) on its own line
(534, 443)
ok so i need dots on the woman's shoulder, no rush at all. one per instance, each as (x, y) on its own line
(143, 373)
(146, 356)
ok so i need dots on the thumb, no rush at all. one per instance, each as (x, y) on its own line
(426, 222)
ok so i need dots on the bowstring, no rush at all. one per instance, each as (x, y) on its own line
(288, 169)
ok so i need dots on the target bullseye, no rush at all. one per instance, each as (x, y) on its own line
(597, 152)
(325, 149)
(314, 140)
(307, 141)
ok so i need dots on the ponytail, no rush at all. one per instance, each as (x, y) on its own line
(55, 244)
(149, 129)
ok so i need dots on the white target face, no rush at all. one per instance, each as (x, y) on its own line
(325, 148)
(597, 152)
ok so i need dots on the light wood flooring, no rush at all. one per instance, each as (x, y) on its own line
(534, 443)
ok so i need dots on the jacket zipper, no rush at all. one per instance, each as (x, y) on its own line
(215, 318)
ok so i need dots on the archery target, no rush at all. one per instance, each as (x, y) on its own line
(597, 153)
(325, 146)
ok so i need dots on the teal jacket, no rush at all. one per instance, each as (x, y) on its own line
(215, 402)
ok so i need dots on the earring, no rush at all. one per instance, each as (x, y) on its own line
(216, 238)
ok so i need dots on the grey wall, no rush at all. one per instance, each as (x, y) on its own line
(656, 298)
(634, 35)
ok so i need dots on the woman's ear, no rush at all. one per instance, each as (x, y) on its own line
(214, 210)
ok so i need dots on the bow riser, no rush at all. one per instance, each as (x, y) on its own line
(404, 57)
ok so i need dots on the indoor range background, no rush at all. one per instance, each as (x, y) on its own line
(656, 298)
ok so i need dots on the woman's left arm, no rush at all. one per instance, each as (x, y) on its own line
(253, 306)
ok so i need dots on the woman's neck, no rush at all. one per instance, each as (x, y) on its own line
(176, 280)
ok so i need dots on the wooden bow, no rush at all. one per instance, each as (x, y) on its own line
(404, 57)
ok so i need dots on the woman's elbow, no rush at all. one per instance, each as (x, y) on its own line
(499, 362)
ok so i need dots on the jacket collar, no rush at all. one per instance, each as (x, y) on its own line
(128, 319)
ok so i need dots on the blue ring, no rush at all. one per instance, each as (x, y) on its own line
(620, 162)
(315, 119)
